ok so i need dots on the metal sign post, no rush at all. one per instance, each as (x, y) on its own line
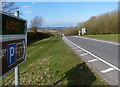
(17, 82)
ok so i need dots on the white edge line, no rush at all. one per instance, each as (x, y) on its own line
(84, 54)
(79, 50)
(94, 55)
(92, 60)
(74, 47)
(107, 70)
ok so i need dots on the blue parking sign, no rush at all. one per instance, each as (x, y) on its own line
(11, 54)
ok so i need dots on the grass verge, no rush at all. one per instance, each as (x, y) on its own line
(51, 62)
(109, 37)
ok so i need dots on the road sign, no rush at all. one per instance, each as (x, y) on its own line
(13, 42)
(11, 54)
(84, 30)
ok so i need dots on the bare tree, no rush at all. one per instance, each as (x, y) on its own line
(36, 22)
(8, 7)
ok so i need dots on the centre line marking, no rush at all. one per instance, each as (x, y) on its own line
(92, 60)
(107, 70)
(93, 55)
(84, 54)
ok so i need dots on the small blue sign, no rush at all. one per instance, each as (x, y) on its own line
(11, 54)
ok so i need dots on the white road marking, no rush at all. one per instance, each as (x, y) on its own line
(114, 43)
(79, 50)
(107, 70)
(71, 46)
(116, 68)
(84, 54)
(92, 60)
(74, 48)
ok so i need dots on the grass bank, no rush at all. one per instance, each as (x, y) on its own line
(51, 62)
(109, 37)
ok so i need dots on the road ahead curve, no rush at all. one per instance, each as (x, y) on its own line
(106, 51)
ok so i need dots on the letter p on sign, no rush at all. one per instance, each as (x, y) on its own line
(11, 54)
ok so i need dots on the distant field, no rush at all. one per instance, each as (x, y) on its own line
(47, 30)
(110, 37)
(53, 32)
(44, 30)
(50, 62)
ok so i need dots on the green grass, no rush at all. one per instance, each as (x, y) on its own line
(50, 62)
(109, 37)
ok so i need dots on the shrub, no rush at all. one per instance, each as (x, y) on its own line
(70, 31)
(34, 29)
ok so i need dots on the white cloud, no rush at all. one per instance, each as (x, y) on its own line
(26, 6)
(27, 12)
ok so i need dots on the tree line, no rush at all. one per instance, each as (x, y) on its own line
(104, 24)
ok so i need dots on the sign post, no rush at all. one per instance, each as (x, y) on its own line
(17, 69)
(17, 81)
(13, 41)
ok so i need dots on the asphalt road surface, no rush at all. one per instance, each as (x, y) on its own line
(101, 55)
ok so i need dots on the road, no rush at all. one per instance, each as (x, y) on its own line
(101, 55)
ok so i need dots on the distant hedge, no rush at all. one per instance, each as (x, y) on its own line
(33, 36)
(70, 31)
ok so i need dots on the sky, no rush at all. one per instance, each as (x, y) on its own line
(64, 14)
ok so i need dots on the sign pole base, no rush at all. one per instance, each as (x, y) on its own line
(17, 76)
